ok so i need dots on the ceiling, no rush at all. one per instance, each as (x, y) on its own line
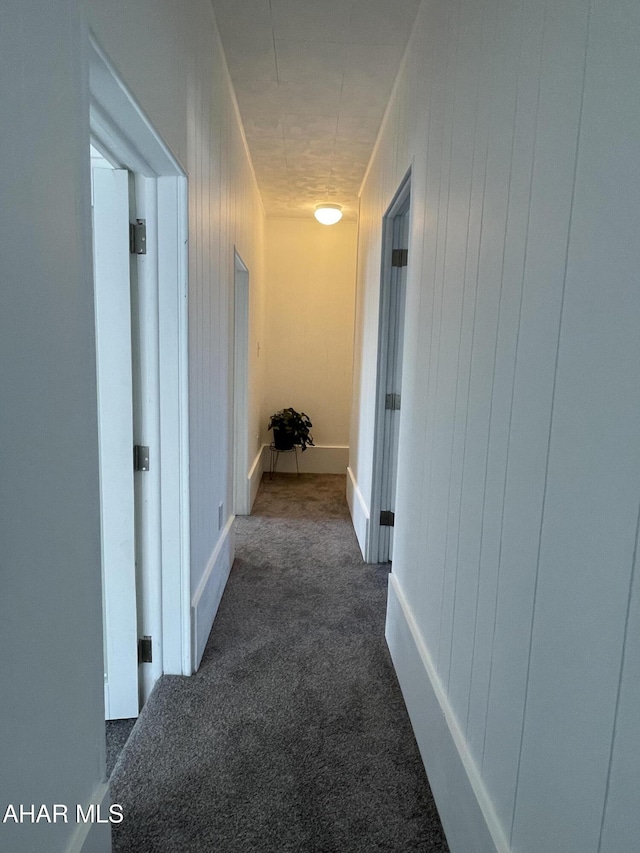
(312, 79)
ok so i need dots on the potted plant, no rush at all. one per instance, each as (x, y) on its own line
(290, 428)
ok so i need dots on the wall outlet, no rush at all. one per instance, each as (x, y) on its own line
(220, 515)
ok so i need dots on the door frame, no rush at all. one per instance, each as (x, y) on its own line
(122, 133)
(377, 546)
(241, 482)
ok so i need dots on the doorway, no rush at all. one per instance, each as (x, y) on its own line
(149, 345)
(241, 482)
(393, 288)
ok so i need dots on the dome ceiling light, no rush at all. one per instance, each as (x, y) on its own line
(328, 214)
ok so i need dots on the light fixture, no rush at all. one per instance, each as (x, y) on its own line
(328, 214)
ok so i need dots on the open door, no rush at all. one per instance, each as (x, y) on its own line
(393, 290)
(393, 379)
(241, 485)
(115, 422)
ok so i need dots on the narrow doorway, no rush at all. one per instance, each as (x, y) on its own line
(142, 344)
(241, 482)
(395, 259)
(154, 345)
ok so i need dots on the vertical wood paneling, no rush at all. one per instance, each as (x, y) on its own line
(551, 199)
(195, 298)
(427, 331)
(460, 179)
(518, 469)
(225, 209)
(593, 474)
(457, 428)
(528, 79)
(439, 202)
(505, 52)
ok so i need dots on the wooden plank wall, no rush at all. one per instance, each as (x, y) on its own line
(225, 211)
(519, 471)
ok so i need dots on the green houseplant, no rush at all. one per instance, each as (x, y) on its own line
(290, 428)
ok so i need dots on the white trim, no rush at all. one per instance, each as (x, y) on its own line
(358, 510)
(255, 476)
(124, 130)
(183, 447)
(174, 415)
(317, 459)
(419, 679)
(92, 837)
(207, 597)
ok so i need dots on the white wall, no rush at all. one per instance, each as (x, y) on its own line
(51, 710)
(169, 55)
(310, 273)
(512, 606)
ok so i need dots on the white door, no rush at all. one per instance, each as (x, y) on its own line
(395, 343)
(241, 488)
(115, 424)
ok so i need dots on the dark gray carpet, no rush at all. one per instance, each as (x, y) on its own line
(293, 735)
(117, 734)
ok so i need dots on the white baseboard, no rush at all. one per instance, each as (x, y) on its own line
(358, 510)
(255, 476)
(205, 602)
(93, 837)
(318, 459)
(466, 810)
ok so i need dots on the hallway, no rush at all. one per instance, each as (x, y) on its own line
(293, 735)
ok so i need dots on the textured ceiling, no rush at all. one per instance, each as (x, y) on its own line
(312, 78)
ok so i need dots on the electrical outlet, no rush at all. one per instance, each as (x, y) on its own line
(220, 515)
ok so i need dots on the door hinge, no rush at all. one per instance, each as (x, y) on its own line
(392, 401)
(387, 518)
(140, 458)
(145, 650)
(138, 237)
(399, 257)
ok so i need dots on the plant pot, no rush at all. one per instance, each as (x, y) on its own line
(283, 440)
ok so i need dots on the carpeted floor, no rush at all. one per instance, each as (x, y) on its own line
(117, 734)
(293, 736)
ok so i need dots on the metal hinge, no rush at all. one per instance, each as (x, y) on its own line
(399, 257)
(387, 518)
(392, 401)
(138, 237)
(140, 458)
(145, 650)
